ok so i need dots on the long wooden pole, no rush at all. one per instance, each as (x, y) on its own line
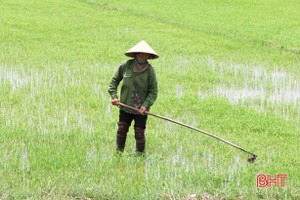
(187, 126)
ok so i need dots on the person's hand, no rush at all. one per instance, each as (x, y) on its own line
(142, 110)
(115, 102)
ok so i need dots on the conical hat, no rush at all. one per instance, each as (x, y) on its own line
(142, 47)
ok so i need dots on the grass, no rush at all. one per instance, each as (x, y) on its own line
(230, 68)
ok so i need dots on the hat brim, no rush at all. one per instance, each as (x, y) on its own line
(132, 54)
(142, 47)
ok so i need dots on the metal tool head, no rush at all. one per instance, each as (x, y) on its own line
(252, 158)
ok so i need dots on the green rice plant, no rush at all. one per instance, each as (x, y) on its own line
(230, 68)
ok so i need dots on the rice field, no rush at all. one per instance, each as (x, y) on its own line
(230, 68)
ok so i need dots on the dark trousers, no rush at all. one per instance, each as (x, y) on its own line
(139, 120)
(125, 120)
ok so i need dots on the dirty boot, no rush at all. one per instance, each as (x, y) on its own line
(140, 139)
(121, 136)
(140, 147)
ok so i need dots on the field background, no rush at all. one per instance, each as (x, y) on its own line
(230, 68)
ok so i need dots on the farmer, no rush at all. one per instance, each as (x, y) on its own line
(139, 89)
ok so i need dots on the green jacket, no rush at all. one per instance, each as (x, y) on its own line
(145, 82)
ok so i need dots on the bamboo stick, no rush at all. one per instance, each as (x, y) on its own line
(187, 126)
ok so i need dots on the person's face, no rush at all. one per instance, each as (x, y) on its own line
(144, 55)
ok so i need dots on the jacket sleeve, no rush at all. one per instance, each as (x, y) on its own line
(114, 83)
(152, 90)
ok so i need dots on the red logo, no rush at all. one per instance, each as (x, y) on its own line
(263, 181)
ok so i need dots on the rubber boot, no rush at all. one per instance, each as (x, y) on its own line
(140, 139)
(140, 147)
(121, 136)
(121, 143)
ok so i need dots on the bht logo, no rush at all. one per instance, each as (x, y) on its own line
(263, 181)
